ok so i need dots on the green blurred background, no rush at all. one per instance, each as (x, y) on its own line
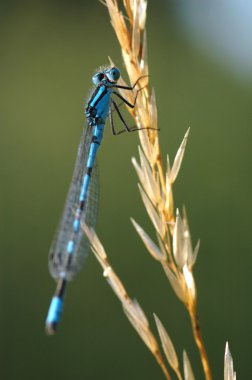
(49, 50)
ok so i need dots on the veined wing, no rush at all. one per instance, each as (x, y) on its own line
(58, 253)
(89, 217)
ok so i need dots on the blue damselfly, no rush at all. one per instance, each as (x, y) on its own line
(70, 246)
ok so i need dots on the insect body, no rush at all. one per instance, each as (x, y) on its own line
(70, 246)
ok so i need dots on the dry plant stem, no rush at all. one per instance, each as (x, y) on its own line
(199, 341)
(179, 375)
(130, 306)
(160, 362)
(130, 31)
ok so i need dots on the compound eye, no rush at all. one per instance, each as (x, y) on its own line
(114, 74)
(97, 78)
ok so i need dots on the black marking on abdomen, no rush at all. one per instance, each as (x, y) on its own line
(61, 288)
(82, 205)
(89, 171)
(95, 140)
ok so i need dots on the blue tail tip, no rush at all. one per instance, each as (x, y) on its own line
(54, 315)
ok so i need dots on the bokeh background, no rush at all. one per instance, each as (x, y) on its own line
(49, 50)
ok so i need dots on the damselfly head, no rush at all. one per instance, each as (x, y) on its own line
(111, 75)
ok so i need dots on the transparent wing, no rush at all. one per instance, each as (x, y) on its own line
(89, 216)
(57, 253)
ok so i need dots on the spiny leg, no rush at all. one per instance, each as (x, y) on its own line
(130, 87)
(125, 100)
(112, 122)
(131, 129)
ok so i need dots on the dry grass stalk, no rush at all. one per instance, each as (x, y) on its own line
(174, 249)
(130, 306)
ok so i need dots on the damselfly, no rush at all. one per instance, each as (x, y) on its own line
(70, 246)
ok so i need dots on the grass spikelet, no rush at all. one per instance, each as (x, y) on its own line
(188, 373)
(149, 244)
(168, 347)
(159, 204)
(173, 249)
(131, 307)
(178, 159)
(153, 214)
(229, 373)
(176, 283)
